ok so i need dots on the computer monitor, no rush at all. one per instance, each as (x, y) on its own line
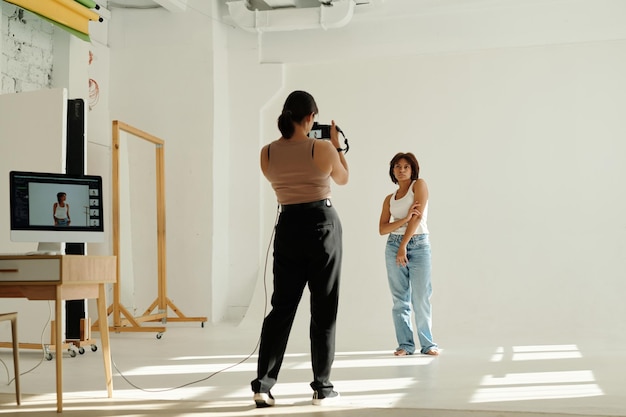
(53, 209)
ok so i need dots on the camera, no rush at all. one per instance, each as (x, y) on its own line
(319, 131)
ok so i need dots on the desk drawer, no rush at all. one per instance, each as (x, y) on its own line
(30, 270)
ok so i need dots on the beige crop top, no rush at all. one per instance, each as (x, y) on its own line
(294, 176)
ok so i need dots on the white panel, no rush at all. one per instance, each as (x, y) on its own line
(32, 138)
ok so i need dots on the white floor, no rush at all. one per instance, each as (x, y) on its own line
(195, 371)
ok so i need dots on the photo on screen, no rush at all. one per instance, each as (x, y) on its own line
(42, 198)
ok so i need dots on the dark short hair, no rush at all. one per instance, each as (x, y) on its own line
(298, 105)
(59, 195)
(411, 159)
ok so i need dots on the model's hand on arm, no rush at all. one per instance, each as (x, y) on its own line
(386, 226)
(413, 212)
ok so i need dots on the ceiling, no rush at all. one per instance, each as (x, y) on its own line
(499, 23)
(371, 8)
(252, 4)
(409, 5)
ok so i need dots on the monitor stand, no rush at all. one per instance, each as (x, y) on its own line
(50, 248)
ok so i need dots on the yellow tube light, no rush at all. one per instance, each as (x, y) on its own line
(80, 9)
(67, 14)
(90, 4)
(74, 32)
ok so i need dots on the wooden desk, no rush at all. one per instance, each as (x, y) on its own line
(58, 278)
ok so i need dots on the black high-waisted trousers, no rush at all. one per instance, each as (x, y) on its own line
(307, 251)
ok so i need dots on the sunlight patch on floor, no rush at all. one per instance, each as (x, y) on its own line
(230, 357)
(385, 392)
(345, 360)
(191, 368)
(539, 378)
(536, 392)
(539, 385)
(530, 353)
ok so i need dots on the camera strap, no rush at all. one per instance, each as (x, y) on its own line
(345, 141)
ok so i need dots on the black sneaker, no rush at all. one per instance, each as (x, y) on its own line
(328, 399)
(263, 399)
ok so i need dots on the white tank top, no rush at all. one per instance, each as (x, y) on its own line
(60, 212)
(400, 208)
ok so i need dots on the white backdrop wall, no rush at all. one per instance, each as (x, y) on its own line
(523, 152)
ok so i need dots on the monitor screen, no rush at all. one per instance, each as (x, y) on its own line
(47, 207)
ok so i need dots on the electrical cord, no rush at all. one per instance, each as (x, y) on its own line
(229, 366)
(6, 370)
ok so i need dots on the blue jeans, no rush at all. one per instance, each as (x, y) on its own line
(410, 286)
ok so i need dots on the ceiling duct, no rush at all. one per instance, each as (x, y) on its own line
(335, 14)
(274, 4)
(173, 5)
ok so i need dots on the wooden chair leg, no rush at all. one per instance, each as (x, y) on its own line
(16, 365)
(16, 359)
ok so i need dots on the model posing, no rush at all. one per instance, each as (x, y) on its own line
(407, 255)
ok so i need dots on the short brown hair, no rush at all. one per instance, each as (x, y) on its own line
(411, 159)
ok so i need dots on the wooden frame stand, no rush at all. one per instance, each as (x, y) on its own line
(162, 302)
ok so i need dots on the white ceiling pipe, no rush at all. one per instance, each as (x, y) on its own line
(325, 17)
(173, 5)
(280, 3)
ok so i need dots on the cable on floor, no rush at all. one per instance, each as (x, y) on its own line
(227, 367)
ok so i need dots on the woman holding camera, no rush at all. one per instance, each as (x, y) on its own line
(307, 245)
